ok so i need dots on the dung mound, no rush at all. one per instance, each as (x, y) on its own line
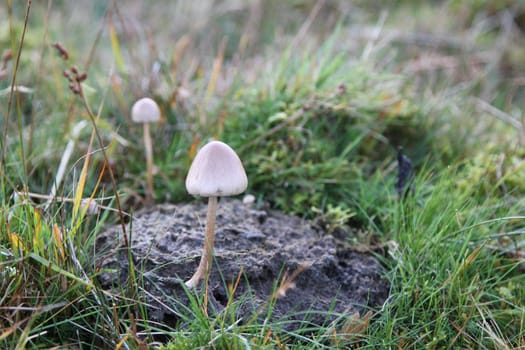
(265, 247)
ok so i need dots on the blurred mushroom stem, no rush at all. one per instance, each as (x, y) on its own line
(206, 258)
(149, 163)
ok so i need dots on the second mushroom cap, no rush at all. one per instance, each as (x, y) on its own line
(145, 110)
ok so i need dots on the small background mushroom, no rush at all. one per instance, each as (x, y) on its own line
(147, 111)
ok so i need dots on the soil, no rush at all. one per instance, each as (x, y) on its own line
(283, 261)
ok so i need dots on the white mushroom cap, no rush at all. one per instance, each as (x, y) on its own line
(145, 110)
(216, 171)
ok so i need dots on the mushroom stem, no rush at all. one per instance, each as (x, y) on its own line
(149, 163)
(206, 258)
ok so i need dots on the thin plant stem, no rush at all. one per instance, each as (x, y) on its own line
(110, 171)
(10, 100)
(39, 76)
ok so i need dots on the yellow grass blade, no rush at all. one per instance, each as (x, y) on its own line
(59, 243)
(217, 66)
(79, 191)
(180, 48)
(39, 231)
(16, 243)
(116, 47)
(8, 331)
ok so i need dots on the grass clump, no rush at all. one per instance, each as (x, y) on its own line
(455, 291)
(321, 125)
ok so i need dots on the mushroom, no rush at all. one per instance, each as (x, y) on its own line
(147, 111)
(215, 171)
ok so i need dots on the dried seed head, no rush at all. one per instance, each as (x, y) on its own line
(82, 77)
(61, 51)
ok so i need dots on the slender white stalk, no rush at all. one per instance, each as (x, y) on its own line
(206, 258)
(149, 163)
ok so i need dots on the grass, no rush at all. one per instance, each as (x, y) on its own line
(316, 109)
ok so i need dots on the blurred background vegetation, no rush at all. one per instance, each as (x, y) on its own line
(344, 82)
